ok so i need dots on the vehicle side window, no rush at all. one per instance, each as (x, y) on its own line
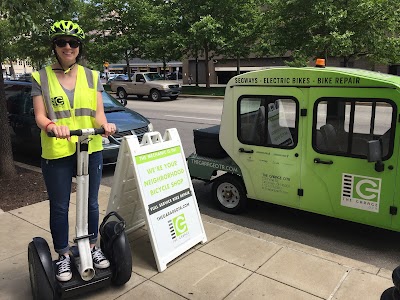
(139, 77)
(268, 121)
(344, 126)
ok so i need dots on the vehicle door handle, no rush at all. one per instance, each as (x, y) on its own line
(325, 162)
(245, 151)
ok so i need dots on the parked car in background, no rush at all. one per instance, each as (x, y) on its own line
(119, 77)
(25, 77)
(172, 76)
(22, 120)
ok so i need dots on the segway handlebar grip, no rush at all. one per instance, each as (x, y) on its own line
(80, 132)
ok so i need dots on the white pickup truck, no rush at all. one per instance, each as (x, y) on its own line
(149, 84)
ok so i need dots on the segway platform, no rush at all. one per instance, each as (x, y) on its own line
(77, 286)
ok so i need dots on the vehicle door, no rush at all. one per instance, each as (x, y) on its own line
(267, 142)
(141, 88)
(337, 178)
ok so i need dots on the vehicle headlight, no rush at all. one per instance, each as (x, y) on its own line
(105, 140)
(150, 126)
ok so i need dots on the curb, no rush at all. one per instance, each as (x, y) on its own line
(187, 96)
(201, 96)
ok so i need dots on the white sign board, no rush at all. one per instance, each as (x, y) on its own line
(167, 195)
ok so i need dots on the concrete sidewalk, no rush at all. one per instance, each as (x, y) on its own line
(235, 263)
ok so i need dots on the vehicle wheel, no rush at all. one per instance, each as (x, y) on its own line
(40, 285)
(395, 294)
(155, 95)
(229, 193)
(173, 97)
(388, 294)
(119, 253)
(396, 277)
(121, 93)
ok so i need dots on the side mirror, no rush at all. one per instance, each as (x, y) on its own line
(375, 154)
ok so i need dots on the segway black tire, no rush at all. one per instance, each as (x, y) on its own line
(40, 285)
(119, 252)
(396, 277)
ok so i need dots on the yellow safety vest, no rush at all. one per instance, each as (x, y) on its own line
(60, 112)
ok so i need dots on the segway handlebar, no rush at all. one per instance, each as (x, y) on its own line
(80, 132)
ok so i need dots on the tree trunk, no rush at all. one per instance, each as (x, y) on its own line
(238, 65)
(164, 67)
(7, 167)
(197, 69)
(207, 69)
(128, 67)
(12, 72)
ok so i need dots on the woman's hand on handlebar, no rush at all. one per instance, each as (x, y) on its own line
(109, 129)
(61, 132)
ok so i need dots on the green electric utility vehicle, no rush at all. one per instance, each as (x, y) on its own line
(319, 139)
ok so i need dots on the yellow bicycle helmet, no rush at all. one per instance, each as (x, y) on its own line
(66, 28)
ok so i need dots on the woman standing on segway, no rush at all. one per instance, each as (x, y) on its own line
(67, 96)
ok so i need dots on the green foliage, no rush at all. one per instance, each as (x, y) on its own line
(348, 29)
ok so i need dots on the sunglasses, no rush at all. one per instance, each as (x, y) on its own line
(62, 43)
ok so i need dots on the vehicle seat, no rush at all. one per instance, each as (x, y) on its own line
(258, 130)
(330, 138)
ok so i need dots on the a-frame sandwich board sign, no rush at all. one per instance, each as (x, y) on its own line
(156, 171)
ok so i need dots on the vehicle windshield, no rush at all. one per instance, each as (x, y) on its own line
(110, 102)
(152, 76)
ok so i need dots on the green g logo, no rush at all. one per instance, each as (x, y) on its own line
(366, 188)
(180, 226)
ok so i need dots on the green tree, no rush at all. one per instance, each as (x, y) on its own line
(349, 29)
(116, 29)
(207, 32)
(241, 28)
(165, 41)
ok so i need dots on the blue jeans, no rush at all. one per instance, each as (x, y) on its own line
(58, 175)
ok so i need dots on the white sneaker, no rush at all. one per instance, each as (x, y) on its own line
(63, 272)
(99, 259)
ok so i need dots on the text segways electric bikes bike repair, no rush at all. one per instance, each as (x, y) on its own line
(113, 242)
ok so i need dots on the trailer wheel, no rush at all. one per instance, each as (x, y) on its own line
(229, 193)
(40, 285)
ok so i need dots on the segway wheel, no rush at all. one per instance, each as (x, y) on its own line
(118, 251)
(396, 277)
(40, 284)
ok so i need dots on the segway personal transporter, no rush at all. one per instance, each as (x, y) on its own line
(113, 243)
